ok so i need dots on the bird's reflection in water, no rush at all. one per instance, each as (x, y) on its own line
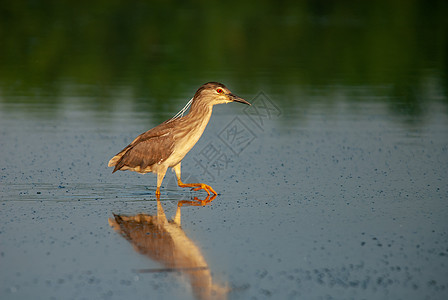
(164, 241)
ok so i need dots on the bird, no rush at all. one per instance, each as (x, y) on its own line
(165, 145)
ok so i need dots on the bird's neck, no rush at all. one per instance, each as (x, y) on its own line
(200, 112)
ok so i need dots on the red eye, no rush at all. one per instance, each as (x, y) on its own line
(219, 91)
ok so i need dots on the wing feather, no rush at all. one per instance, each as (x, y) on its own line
(149, 148)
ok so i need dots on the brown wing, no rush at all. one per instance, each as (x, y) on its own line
(149, 148)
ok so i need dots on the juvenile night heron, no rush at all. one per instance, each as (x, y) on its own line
(165, 145)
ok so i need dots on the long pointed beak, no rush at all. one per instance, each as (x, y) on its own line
(234, 98)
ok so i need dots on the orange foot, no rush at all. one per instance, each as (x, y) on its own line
(198, 186)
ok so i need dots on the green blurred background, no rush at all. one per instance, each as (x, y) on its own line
(154, 54)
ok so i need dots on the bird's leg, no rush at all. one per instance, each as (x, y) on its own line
(160, 176)
(195, 186)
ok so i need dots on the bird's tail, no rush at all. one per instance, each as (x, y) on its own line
(115, 161)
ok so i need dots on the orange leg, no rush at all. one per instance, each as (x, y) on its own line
(160, 176)
(195, 186)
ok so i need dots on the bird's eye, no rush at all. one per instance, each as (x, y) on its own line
(219, 91)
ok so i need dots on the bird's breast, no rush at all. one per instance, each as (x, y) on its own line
(186, 136)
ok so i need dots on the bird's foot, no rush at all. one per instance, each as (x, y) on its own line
(198, 186)
(205, 187)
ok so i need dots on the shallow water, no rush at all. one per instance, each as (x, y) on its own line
(330, 187)
(343, 206)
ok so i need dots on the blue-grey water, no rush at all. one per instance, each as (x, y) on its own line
(332, 185)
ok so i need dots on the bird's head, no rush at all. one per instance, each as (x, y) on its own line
(217, 93)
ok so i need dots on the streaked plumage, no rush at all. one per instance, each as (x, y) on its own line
(165, 145)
